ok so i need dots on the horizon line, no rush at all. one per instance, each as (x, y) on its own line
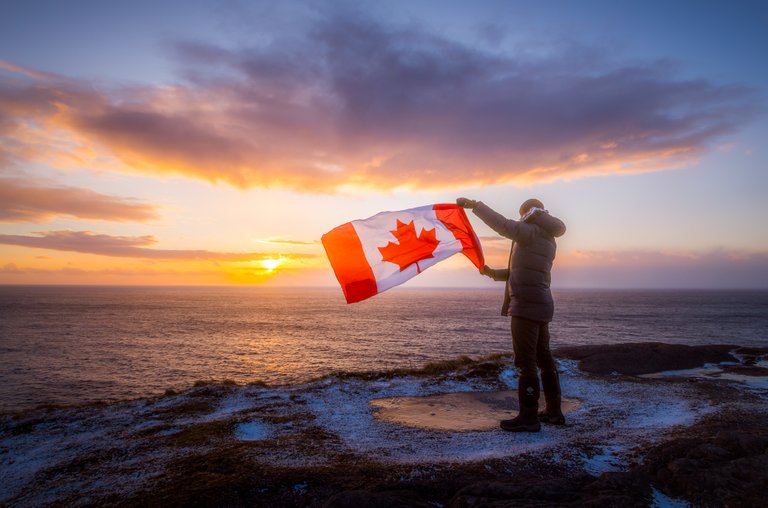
(261, 286)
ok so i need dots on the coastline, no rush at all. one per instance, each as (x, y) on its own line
(655, 422)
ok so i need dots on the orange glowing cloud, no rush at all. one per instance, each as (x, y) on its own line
(12, 273)
(286, 241)
(22, 200)
(355, 103)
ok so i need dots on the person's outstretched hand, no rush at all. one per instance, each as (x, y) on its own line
(466, 203)
(486, 271)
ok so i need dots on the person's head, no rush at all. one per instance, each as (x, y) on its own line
(528, 204)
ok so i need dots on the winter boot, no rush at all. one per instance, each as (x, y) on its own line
(552, 414)
(526, 420)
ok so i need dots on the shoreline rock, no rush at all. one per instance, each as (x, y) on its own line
(637, 358)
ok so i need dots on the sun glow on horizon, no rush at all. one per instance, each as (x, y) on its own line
(271, 264)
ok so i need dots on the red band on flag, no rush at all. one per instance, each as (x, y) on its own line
(456, 220)
(349, 264)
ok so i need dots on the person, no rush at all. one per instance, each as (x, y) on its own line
(528, 300)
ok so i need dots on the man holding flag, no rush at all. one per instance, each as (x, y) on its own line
(370, 256)
(528, 301)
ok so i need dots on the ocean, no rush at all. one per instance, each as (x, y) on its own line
(72, 345)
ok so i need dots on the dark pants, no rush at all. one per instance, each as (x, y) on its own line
(530, 341)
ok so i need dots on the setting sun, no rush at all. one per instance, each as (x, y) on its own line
(271, 264)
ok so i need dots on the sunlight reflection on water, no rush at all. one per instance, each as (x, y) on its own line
(77, 344)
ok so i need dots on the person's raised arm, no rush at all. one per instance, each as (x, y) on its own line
(497, 275)
(515, 230)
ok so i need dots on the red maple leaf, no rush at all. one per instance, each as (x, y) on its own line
(410, 248)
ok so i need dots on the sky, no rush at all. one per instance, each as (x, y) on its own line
(214, 143)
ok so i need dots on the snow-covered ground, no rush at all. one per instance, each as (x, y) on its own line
(49, 455)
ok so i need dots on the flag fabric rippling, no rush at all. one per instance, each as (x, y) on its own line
(372, 255)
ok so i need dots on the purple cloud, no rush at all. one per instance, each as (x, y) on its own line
(88, 242)
(351, 101)
(654, 269)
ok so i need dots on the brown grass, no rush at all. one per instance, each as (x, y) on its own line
(188, 408)
(201, 433)
(443, 367)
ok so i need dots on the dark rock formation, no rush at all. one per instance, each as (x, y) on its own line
(723, 463)
(387, 499)
(610, 489)
(644, 357)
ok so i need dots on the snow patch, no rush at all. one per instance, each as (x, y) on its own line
(169, 432)
(660, 414)
(716, 371)
(252, 431)
(509, 377)
(237, 402)
(661, 500)
(707, 370)
(604, 462)
(343, 408)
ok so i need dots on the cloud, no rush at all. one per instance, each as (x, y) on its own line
(32, 73)
(349, 101)
(285, 241)
(12, 274)
(88, 242)
(495, 245)
(718, 268)
(626, 269)
(22, 200)
(11, 268)
(15, 270)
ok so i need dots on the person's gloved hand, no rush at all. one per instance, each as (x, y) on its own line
(466, 203)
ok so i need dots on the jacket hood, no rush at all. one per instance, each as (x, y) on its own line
(550, 224)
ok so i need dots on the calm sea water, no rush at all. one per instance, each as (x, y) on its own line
(78, 344)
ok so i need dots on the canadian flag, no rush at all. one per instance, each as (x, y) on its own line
(372, 255)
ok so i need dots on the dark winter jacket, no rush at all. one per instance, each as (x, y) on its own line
(528, 276)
